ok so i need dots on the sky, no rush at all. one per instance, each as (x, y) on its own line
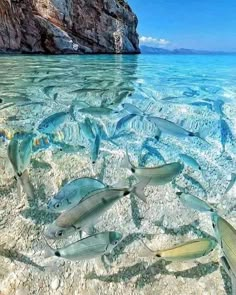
(195, 24)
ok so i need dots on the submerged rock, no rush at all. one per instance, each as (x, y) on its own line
(67, 26)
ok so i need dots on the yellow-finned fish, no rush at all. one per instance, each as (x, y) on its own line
(186, 251)
(226, 235)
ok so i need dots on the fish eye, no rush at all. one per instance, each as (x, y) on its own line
(57, 205)
(115, 242)
(213, 224)
(59, 233)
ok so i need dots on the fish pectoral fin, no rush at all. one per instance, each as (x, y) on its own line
(68, 202)
(90, 230)
(147, 252)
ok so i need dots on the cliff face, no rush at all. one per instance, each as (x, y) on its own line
(67, 26)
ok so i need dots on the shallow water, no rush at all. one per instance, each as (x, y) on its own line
(195, 92)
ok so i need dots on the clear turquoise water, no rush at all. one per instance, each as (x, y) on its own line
(195, 92)
(192, 91)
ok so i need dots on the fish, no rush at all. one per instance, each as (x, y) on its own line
(71, 193)
(14, 155)
(52, 123)
(85, 214)
(132, 109)
(171, 128)
(218, 107)
(123, 121)
(26, 150)
(187, 251)
(97, 111)
(226, 236)
(67, 148)
(87, 129)
(190, 161)
(95, 149)
(157, 175)
(26, 184)
(195, 183)
(19, 154)
(231, 183)
(90, 247)
(48, 90)
(225, 133)
(190, 93)
(202, 104)
(194, 202)
(154, 152)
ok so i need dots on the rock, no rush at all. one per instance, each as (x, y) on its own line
(63, 26)
(55, 284)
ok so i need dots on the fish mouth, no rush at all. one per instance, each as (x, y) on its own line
(49, 235)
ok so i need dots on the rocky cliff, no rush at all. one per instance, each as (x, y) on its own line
(67, 26)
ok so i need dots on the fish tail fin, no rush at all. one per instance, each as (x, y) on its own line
(126, 161)
(26, 184)
(204, 174)
(138, 189)
(146, 251)
(48, 251)
(121, 184)
(201, 136)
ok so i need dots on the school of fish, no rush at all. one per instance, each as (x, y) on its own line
(81, 202)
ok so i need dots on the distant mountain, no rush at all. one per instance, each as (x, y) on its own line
(156, 50)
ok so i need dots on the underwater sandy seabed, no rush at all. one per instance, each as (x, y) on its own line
(162, 222)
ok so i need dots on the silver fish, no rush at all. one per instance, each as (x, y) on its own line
(188, 160)
(171, 128)
(121, 123)
(73, 192)
(132, 109)
(19, 153)
(97, 111)
(86, 213)
(52, 123)
(14, 155)
(157, 175)
(153, 151)
(87, 248)
(95, 148)
(193, 202)
(87, 130)
(195, 183)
